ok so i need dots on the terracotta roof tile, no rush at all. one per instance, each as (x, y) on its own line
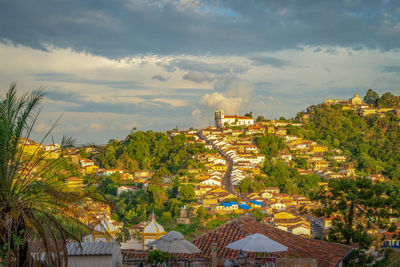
(327, 254)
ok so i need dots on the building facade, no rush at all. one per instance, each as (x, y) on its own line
(222, 120)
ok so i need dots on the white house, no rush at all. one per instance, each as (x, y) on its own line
(278, 206)
(211, 181)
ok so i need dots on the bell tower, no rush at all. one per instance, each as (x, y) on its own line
(219, 115)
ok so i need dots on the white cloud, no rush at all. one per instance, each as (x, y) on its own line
(98, 85)
(219, 101)
(172, 102)
(94, 126)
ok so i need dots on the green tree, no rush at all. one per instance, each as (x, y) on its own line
(359, 203)
(258, 214)
(245, 186)
(166, 216)
(250, 114)
(187, 193)
(31, 208)
(201, 213)
(260, 118)
(270, 144)
(371, 97)
(388, 100)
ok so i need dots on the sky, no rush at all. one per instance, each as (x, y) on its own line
(110, 65)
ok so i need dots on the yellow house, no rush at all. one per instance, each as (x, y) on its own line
(228, 207)
(219, 193)
(209, 164)
(208, 201)
(356, 100)
(89, 169)
(324, 185)
(283, 220)
(202, 189)
(321, 164)
(29, 146)
(280, 132)
(271, 129)
(256, 171)
(55, 154)
(74, 182)
(318, 149)
(31, 149)
(219, 167)
(141, 173)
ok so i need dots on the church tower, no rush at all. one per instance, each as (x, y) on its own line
(219, 116)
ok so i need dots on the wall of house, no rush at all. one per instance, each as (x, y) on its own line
(90, 261)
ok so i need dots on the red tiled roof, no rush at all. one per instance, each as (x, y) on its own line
(237, 117)
(134, 254)
(327, 254)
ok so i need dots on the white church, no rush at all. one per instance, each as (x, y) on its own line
(222, 120)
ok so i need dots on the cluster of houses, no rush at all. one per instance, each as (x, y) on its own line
(232, 157)
(242, 157)
(354, 103)
(30, 147)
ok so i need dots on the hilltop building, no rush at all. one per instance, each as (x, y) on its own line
(222, 120)
(356, 100)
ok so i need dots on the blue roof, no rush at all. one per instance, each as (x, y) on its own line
(245, 207)
(255, 202)
(228, 204)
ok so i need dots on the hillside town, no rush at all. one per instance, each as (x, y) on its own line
(217, 177)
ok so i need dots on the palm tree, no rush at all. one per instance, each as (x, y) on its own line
(33, 210)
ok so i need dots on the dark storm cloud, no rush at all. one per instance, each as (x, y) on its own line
(117, 28)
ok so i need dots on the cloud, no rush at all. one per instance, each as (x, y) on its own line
(172, 102)
(139, 27)
(159, 77)
(199, 120)
(198, 77)
(232, 95)
(41, 127)
(90, 88)
(94, 126)
(219, 101)
(71, 78)
(218, 68)
(391, 69)
(269, 61)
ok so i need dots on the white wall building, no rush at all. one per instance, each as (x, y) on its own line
(222, 120)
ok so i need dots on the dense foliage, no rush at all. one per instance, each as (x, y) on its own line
(372, 142)
(278, 173)
(270, 144)
(357, 205)
(35, 206)
(150, 151)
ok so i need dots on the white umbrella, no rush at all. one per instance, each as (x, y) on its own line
(174, 242)
(257, 243)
